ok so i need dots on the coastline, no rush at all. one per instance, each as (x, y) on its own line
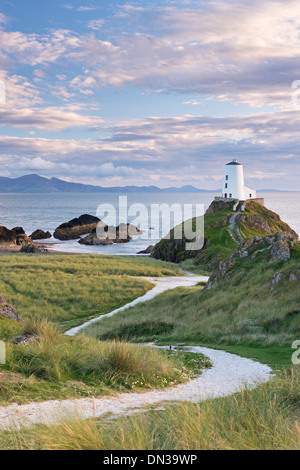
(16, 249)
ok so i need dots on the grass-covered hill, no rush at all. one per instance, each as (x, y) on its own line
(220, 242)
(252, 306)
(252, 297)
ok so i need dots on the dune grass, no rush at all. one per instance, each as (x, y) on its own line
(56, 292)
(52, 365)
(266, 418)
(242, 311)
(69, 289)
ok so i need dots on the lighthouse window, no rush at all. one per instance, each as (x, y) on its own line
(226, 185)
(226, 177)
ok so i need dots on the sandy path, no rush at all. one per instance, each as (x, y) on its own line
(228, 374)
(161, 284)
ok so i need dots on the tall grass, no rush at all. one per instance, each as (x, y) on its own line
(52, 365)
(242, 310)
(266, 418)
(68, 289)
(55, 357)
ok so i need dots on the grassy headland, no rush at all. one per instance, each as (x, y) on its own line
(245, 312)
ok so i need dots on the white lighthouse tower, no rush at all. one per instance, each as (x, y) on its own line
(233, 183)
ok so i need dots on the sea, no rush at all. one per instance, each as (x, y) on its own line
(148, 211)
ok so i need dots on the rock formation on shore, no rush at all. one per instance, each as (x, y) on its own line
(40, 235)
(147, 251)
(109, 235)
(74, 228)
(13, 237)
(32, 248)
(7, 237)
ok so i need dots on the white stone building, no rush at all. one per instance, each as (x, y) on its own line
(233, 183)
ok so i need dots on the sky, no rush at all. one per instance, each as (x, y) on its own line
(151, 93)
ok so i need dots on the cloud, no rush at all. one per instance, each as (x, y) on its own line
(183, 150)
(19, 91)
(96, 24)
(249, 57)
(3, 18)
(34, 49)
(85, 8)
(45, 119)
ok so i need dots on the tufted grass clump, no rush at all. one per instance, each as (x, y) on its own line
(51, 365)
(266, 418)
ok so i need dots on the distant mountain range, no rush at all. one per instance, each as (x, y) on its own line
(39, 184)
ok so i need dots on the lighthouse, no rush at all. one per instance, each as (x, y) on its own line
(233, 183)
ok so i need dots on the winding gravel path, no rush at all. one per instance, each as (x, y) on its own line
(161, 284)
(228, 374)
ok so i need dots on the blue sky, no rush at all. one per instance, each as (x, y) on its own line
(164, 93)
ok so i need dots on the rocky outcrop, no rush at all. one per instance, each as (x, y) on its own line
(280, 250)
(7, 237)
(93, 239)
(8, 311)
(147, 251)
(293, 277)
(220, 204)
(221, 225)
(273, 248)
(31, 248)
(23, 240)
(257, 218)
(13, 237)
(18, 230)
(109, 235)
(276, 279)
(76, 227)
(40, 235)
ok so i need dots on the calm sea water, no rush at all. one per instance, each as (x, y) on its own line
(47, 211)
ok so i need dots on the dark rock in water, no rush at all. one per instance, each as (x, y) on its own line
(7, 237)
(31, 248)
(40, 235)
(8, 311)
(18, 230)
(128, 229)
(107, 235)
(93, 239)
(74, 228)
(148, 250)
